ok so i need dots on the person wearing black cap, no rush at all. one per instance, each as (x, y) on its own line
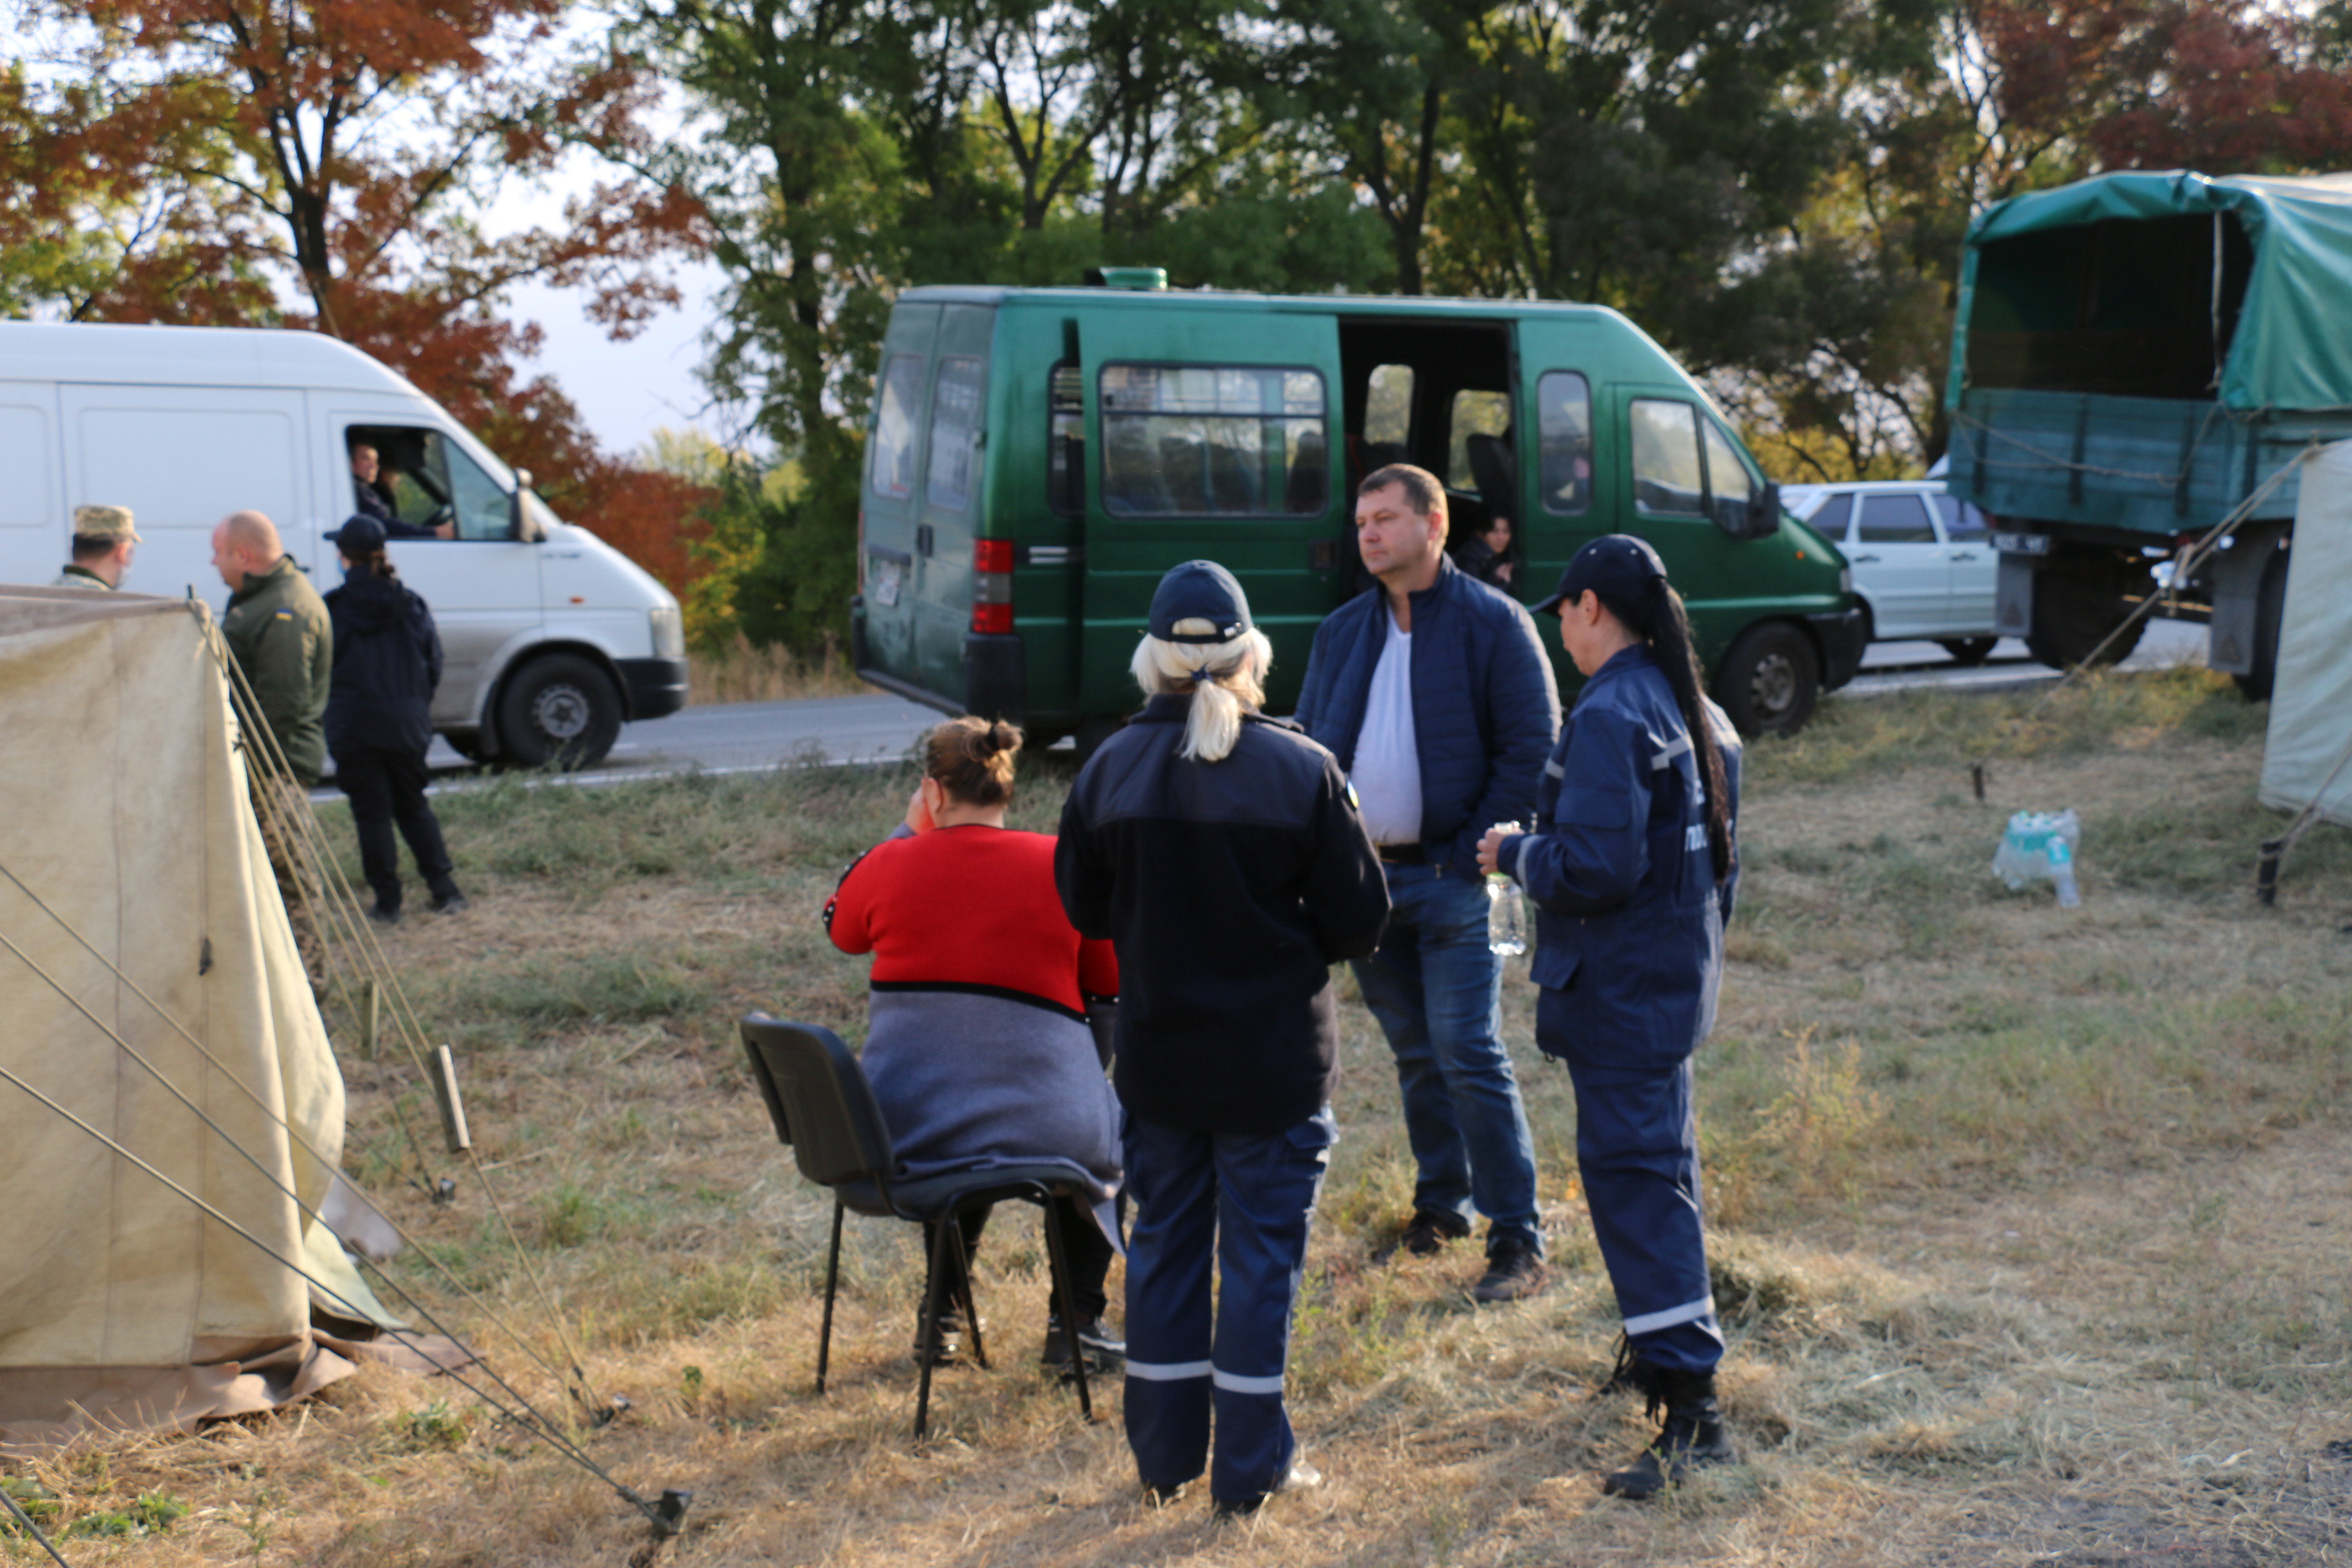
(1433, 692)
(1221, 854)
(387, 664)
(1632, 869)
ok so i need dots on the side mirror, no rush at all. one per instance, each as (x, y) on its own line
(1757, 517)
(520, 524)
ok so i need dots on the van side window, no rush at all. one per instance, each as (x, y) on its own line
(1564, 441)
(1667, 478)
(1197, 440)
(1475, 414)
(892, 462)
(429, 483)
(955, 430)
(1726, 476)
(1388, 416)
(1065, 441)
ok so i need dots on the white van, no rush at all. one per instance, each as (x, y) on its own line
(551, 638)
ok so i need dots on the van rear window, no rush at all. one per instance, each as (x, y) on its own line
(893, 459)
(1066, 445)
(955, 426)
(1198, 440)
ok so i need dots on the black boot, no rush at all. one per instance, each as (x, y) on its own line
(1690, 1435)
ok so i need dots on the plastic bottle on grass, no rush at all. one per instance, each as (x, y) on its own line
(2062, 871)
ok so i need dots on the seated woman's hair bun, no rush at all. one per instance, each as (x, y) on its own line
(972, 759)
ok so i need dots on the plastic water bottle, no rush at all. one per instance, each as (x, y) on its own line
(1507, 914)
(1507, 917)
(2062, 871)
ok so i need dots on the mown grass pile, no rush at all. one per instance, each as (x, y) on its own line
(2031, 1224)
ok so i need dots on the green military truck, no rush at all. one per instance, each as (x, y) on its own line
(2134, 356)
(1039, 457)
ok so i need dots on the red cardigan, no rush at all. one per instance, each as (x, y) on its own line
(969, 907)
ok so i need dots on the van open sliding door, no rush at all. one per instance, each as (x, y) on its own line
(1212, 434)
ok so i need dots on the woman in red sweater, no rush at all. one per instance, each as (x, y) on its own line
(978, 1042)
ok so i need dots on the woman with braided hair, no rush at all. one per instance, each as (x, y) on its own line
(976, 1040)
(1632, 866)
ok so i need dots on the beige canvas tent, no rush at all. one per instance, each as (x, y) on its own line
(128, 844)
(2307, 758)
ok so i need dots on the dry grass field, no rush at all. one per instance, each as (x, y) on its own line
(2032, 1227)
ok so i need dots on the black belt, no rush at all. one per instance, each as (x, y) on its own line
(1403, 854)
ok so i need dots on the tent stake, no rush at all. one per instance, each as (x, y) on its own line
(453, 1107)
(371, 1008)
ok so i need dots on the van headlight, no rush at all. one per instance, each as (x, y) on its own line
(1845, 579)
(669, 632)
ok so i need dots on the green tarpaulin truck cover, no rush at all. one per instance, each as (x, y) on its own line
(2291, 349)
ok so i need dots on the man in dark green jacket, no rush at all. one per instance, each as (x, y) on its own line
(279, 633)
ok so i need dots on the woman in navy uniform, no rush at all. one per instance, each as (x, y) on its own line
(1220, 851)
(1632, 869)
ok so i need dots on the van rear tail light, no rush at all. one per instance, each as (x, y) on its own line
(991, 586)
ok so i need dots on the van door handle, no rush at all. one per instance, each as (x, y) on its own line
(1863, 560)
(1964, 555)
(1323, 555)
(922, 538)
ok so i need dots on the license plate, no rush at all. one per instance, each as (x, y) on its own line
(2022, 543)
(885, 583)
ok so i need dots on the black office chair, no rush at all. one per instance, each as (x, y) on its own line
(823, 1108)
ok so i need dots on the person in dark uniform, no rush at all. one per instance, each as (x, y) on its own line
(1222, 853)
(387, 664)
(1632, 870)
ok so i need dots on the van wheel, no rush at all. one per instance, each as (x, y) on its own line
(1969, 650)
(559, 711)
(1770, 680)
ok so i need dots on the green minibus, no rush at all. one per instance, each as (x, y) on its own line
(1038, 457)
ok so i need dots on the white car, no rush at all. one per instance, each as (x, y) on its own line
(1924, 564)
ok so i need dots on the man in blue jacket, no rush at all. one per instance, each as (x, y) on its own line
(1433, 692)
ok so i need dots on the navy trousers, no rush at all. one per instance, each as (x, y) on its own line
(1637, 1150)
(387, 788)
(1246, 1199)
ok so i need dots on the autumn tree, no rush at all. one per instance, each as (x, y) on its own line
(325, 164)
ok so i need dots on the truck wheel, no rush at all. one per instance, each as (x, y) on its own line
(1969, 650)
(1770, 680)
(2076, 604)
(558, 710)
(2270, 610)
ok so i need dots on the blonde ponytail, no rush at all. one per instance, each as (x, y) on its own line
(1223, 679)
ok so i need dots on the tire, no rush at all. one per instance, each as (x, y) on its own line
(559, 711)
(1967, 650)
(1770, 679)
(2077, 601)
(467, 745)
(2270, 609)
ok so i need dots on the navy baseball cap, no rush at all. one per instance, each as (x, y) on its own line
(1615, 565)
(359, 536)
(1199, 590)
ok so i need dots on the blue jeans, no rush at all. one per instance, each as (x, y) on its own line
(1438, 994)
(1244, 1198)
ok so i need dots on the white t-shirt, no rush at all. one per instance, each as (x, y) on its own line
(1388, 763)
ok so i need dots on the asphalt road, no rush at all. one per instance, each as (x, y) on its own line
(751, 736)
